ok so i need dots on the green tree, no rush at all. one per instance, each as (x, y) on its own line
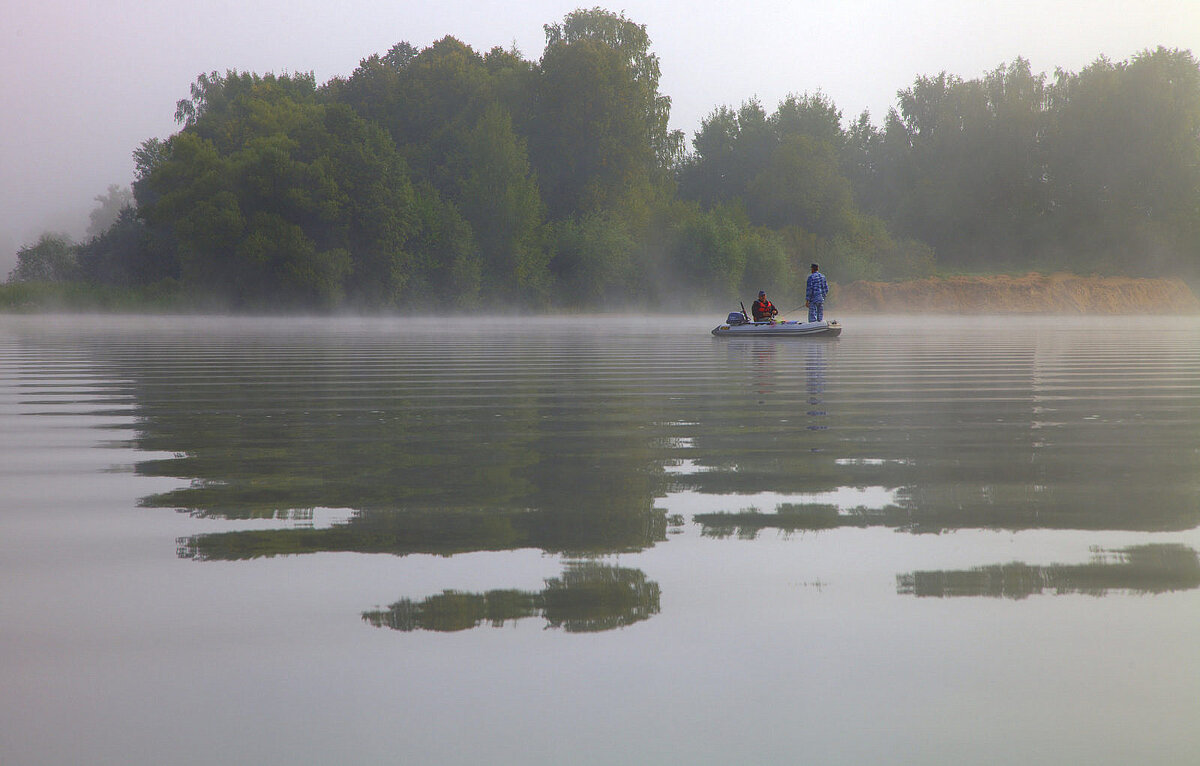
(447, 108)
(426, 101)
(813, 115)
(51, 259)
(1100, 169)
(785, 167)
(801, 185)
(946, 121)
(633, 43)
(718, 253)
(146, 158)
(126, 254)
(713, 173)
(1124, 162)
(448, 267)
(276, 199)
(593, 260)
(790, 172)
(598, 135)
(497, 194)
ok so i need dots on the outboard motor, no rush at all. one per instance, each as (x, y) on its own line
(735, 318)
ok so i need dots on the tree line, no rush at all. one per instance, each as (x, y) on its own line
(448, 179)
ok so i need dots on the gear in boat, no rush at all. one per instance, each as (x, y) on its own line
(737, 324)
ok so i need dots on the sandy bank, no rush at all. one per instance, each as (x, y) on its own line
(1027, 294)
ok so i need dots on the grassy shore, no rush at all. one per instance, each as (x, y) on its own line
(38, 297)
(1019, 294)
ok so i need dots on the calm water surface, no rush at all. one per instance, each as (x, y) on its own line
(598, 541)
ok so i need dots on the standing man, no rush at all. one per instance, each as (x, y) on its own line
(814, 295)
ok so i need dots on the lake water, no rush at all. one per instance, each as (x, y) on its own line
(598, 541)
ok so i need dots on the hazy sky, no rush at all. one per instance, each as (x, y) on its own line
(83, 83)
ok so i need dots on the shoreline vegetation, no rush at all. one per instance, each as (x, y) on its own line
(1032, 293)
(1018, 294)
(481, 182)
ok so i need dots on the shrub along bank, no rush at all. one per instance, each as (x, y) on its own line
(1024, 294)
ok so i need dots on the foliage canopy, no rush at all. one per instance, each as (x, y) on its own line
(450, 179)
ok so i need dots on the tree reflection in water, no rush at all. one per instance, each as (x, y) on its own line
(556, 437)
(1140, 569)
(589, 597)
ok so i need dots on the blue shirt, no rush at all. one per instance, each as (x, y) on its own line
(817, 288)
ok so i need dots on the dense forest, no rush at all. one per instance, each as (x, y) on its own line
(449, 179)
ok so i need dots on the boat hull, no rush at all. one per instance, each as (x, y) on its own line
(785, 329)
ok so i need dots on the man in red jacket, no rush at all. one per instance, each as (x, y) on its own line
(763, 309)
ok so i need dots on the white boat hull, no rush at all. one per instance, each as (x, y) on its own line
(784, 329)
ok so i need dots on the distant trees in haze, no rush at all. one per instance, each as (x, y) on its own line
(449, 177)
(790, 172)
(108, 208)
(1098, 170)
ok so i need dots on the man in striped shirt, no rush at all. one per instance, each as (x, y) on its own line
(814, 295)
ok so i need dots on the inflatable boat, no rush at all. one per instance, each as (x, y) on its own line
(737, 325)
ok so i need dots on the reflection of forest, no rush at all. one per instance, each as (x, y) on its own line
(1139, 569)
(588, 597)
(433, 451)
(1039, 435)
(789, 517)
(578, 528)
(490, 440)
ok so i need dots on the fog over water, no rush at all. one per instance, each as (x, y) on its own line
(85, 84)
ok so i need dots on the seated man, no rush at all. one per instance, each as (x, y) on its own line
(763, 309)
